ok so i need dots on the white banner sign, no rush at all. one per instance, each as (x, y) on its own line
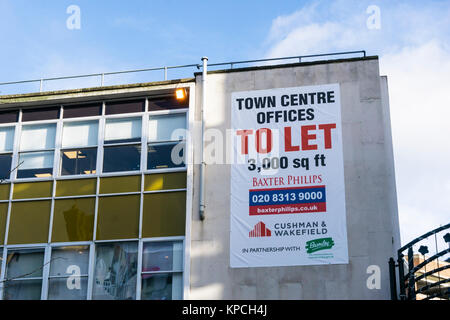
(287, 182)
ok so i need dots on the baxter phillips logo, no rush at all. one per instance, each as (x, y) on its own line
(260, 230)
(319, 244)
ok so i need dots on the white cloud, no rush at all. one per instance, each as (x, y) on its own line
(413, 50)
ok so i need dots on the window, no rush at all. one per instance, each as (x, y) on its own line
(118, 217)
(162, 265)
(73, 220)
(115, 271)
(37, 145)
(9, 116)
(6, 148)
(24, 275)
(124, 107)
(74, 159)
(166, 138)
(122, 151)
(68, 276)
(85, 110)
(40, 114)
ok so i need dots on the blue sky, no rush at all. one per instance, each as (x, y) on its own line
(412, 42)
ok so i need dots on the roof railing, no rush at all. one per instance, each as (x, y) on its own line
(165, 69)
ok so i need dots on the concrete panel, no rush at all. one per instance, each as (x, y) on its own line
(372, 220)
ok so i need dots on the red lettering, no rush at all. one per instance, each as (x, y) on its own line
(288, 140)
(244, 139)
(306, 137)
(327, 133)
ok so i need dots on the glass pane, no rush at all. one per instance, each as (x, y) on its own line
(35, 165)
(165, 181)
(72, 288)
(29, 222)
(80, 134)
(78, 161)
(123, 130)
(83, 110)
(164, 214)
(164, 286)
(22, 290)
(162, 128)
(166, 155)
(73, 220)
(7, 138)
(120, 184)
(167, 103)
(3, 215)
(22, 264)
(162, 256)
(124, 107)
(75, 187)
(122, 158)
(31, 190)
(118, 217)
(4, 191)
(40, 114)
(115, 271)
(68, 261)
(5, 165)
(38, 137)
(9, 116)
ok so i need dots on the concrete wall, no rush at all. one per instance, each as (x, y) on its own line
(372, 222)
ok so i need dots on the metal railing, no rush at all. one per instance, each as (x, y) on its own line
(412, 268)
(165, 69)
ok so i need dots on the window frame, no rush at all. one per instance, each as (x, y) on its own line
(56, 176)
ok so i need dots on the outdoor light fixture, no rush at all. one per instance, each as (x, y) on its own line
(43, 175)
(180, 94)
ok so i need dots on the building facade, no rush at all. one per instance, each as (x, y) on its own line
(101, 189)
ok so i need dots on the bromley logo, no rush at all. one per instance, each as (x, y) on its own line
(319, 244)
(260, 230)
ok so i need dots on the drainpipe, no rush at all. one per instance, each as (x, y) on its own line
(202, 166)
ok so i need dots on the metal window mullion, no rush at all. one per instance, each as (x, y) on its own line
(52, 211)
(189, 161)
(16, 147)
(57, 151)
(144, 139)
(3, 271)
(46, 272)
(91, 271)
(139, 271)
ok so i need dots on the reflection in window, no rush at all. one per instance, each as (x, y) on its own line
(166, 155)
(35, 164)
(73, 220)
(123, 130)
(24, 275)
(166, 136)
(115, 271)
(80, 134)
(38, 137)
(68, 273)
(78, 161)
(167, 127)
(122, 158)
(157, 257)
(5, 165)
(6, 148)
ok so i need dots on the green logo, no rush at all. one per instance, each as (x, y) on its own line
(319, 244)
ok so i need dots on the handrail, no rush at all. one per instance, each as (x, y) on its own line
(166, 68)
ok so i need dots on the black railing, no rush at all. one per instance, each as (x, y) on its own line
(413, 276)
